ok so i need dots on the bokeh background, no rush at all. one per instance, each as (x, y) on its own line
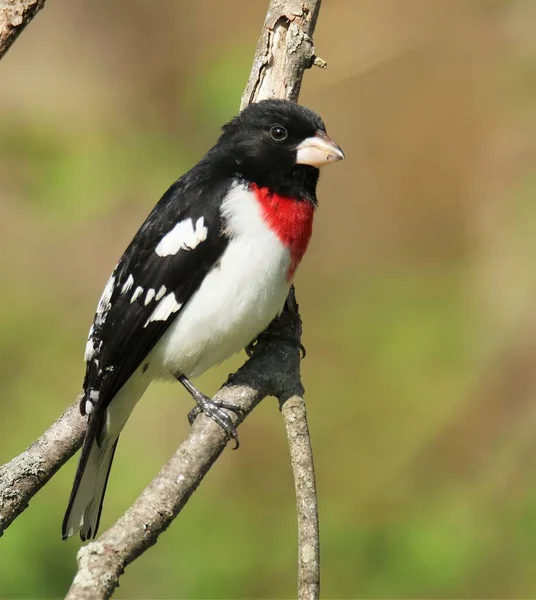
(417, 294)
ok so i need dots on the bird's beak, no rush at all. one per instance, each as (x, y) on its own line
(318, 150)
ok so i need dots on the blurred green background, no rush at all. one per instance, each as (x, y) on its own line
(417, 293)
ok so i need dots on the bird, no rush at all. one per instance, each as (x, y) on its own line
(205, 274)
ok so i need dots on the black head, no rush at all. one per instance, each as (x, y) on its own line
(280, 145)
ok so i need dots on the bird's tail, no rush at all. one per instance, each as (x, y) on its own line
(85, 503)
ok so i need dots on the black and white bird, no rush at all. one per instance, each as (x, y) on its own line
(206, 273)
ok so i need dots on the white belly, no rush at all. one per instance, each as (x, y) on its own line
(238, 298)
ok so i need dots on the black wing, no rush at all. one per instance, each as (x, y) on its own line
(123, 333)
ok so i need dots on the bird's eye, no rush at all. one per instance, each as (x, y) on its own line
(278, 133)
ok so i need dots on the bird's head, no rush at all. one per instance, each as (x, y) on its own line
(280, 145)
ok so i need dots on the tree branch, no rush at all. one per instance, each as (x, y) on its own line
(14, 16)
(284, 51)
(26, 474)
(301, 458)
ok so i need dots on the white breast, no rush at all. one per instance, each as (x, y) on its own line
(238, 298)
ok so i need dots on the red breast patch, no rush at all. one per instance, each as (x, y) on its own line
(290, 219)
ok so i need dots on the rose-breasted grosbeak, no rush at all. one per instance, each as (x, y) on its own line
(205, 274)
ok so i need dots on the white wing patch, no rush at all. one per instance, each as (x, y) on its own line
(137, 293)
(166, 307)
(88, 355)
(128, 284)
(104, 302)
(151, 293)
(103, 308)
(184, 236)
(161, 293)
(90, 349)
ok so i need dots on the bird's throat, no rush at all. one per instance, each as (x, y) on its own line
(290, 219)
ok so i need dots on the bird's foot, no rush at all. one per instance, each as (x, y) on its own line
(213, 409)
(216, 411)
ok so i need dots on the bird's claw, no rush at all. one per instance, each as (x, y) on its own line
(216, 411)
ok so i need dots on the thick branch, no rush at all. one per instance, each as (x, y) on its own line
(14, 16)
(26, 474)
(285, 49)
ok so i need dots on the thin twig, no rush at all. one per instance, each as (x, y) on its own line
(301, 457)
(14, 16)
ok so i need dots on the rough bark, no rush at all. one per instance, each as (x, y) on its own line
(301, 458)
(26, 474)
(14, 16)
(284, 50)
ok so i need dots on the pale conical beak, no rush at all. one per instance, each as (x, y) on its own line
(318, 150)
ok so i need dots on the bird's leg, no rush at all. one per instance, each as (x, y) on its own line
(212, 408)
